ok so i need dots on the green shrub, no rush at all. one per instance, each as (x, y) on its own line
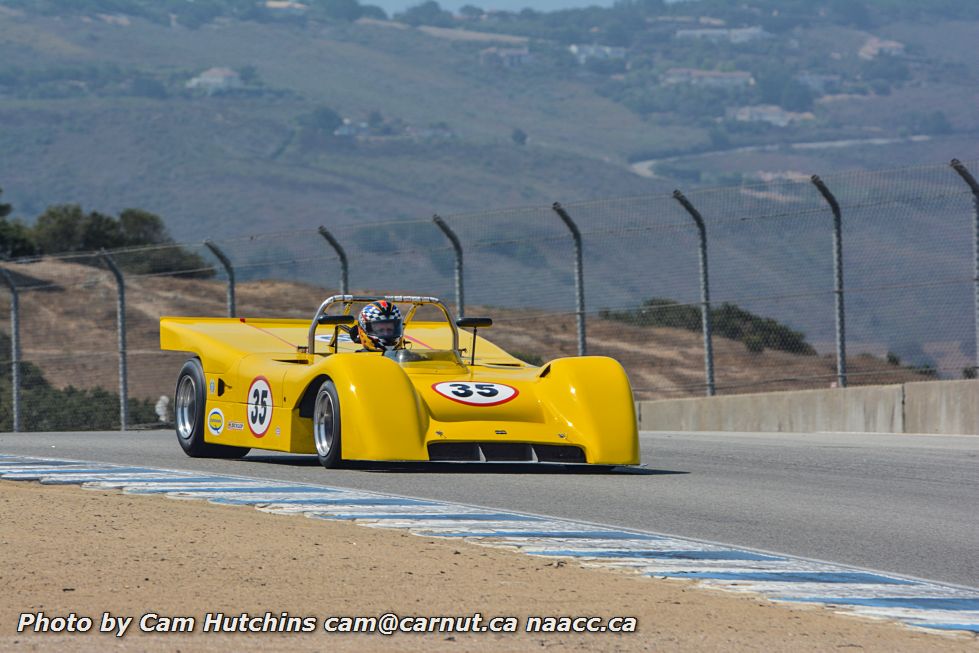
(67, 228)
(46, 408)
(729, 320)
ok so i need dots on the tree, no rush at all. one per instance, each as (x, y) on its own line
(99, 231)
(519, 136)
(142, 228)
(16, 239)
(890, 69)
(150, 88)
(249, 75)
(66, 228)
(349, 10)
(850, 12)
(325, 119)
(427, 13)
(5, 209)
(471, 11)
(371, 11)
(796, 96)
(59, 229)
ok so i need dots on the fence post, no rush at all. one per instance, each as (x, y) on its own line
(344, 267)
(579, 278)
(704, 291)
(457, 246)
(838, 279)
(229, 270)
(974, 186)
(14, 346)
(121, 327)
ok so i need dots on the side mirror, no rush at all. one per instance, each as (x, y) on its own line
(336, 320)
(474, 322)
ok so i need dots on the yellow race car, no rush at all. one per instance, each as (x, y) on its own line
(315, 388)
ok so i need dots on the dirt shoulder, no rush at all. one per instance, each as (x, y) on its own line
(71, 550)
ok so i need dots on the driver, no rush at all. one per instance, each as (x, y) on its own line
(380, 327)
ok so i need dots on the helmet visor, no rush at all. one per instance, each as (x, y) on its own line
(387, 331)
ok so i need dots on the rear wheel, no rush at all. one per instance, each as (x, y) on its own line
(189, 402)
(326, 425)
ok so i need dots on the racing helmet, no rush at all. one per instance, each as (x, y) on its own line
(380, 322)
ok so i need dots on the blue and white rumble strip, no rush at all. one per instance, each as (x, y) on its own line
(914, 602)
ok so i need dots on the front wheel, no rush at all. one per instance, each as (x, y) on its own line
(189, 402)
(326, 425)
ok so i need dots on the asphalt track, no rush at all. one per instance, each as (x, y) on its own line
(904, 504)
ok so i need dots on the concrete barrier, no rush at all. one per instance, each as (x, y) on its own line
(942, 407)
(950, 407)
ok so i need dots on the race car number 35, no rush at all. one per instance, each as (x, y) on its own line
(476, 394)
(259, 407)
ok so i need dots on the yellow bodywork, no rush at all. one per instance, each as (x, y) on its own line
(390, 411)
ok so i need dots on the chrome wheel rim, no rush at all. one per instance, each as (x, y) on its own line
(186, 407)
(324, 423)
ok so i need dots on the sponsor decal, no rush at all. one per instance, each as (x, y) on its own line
(259, 406)
(476, 394)
(215, 421)
(236, 426)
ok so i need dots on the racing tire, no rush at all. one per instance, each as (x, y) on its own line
(188, 416)
(326, 425)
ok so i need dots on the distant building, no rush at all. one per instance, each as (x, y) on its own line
(286, 8)
(505, 57)
(707, 78)
(216, 80)
(819, 83)
(875, 47)
(586, 53)
(770, 113)
(351, 129)
(734, 35)
(713, 22)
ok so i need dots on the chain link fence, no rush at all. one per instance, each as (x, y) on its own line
(620, 277)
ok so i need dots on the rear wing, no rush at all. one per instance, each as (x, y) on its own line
(225, 340)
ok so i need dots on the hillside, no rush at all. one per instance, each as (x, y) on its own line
(223, 164)
(68, 330)
(96, 108)
(114, 110)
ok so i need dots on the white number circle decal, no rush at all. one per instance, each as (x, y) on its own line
(476, 394)
(259, 406)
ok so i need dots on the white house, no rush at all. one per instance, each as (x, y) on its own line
(707, 78)
(286, 8)
(583, 53)
(874, 47)
(216, 80)
(770, 113)
(506, 57)
(734, 35)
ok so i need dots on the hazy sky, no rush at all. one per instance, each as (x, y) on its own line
(391, 6)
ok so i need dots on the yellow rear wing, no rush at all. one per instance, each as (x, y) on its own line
(222, 341)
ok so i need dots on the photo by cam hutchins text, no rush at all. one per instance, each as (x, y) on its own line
(386, 624)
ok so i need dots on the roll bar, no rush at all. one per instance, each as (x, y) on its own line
(349, 300)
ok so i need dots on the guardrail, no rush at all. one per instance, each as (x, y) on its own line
(935, 407)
